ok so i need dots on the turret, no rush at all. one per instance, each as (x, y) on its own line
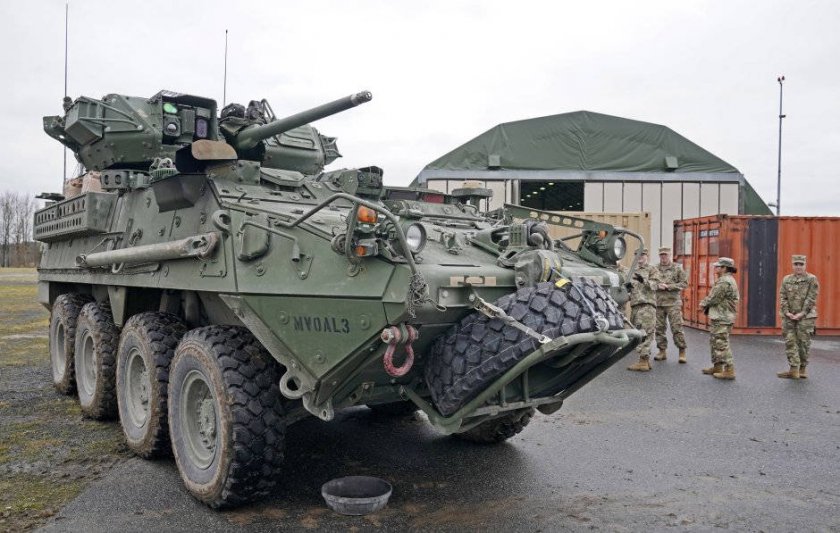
(128, 132)
(247, 138)
(287, 143)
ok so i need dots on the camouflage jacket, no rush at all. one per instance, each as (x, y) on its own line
(722, 300)
(799, 293)
(642, 292)
(675, 279)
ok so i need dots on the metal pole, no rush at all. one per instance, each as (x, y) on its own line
(781, 80)
(224, 89)
(66, 19)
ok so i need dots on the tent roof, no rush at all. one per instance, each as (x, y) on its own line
(581, 141)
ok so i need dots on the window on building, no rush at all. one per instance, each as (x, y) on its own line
(552, 195)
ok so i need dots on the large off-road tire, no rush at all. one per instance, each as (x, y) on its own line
(499, 429)
(226, 416)
(63, 316)
(394, 409)
(147, 344)
(478, 350)
(97, 339)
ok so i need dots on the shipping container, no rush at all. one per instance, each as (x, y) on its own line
(762, 248)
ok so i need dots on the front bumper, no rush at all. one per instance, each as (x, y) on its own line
(542, 379)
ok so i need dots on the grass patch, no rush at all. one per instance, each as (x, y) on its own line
(48, 452)
(21, 494)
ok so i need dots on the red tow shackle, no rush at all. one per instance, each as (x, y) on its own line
(392, 336)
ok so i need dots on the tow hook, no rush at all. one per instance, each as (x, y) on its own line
(403, 334)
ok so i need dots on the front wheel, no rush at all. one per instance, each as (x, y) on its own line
(499, 429)
(226, 417)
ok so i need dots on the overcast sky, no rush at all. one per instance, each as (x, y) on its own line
(443, 72)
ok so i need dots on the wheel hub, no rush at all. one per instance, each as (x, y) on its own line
(207, 422)
(138, 389)
(199, 419)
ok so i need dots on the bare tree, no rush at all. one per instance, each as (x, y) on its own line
(7, 220)
(24, 209)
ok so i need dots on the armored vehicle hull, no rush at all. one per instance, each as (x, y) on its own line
(221, 286)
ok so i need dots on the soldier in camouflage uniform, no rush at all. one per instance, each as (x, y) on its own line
(643, 308)
(798, 298)
(671, 280)
(721, 306)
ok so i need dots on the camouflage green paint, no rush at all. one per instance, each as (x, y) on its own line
(284, 262)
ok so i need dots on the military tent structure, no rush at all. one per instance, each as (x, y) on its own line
(591, 162)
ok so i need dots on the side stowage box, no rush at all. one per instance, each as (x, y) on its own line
(82, 215)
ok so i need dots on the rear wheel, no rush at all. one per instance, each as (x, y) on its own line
(476, 352)
(499, 429)
(63, 316)
(97, 339)
(147, 344)
(226, 417)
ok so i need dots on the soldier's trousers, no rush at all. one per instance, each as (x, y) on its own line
(719, 343)
(672, 314)
(797, 334)
(643, 316)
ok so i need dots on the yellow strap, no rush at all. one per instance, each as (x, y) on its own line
(560, 282)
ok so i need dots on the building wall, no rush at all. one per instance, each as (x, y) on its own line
(665, 201)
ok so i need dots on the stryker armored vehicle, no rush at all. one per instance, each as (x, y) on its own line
(211, 284)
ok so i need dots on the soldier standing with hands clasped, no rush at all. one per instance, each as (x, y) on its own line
(643, 308)
(671, 280)
(721, 306)
(798, 297)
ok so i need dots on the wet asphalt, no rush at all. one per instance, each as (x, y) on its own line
(670, 449)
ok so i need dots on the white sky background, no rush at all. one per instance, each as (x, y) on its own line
(443, 72)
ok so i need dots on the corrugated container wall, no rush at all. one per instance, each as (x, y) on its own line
(762, 248)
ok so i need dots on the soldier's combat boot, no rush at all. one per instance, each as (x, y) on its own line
(682, 355)
(714, 369)
(803, 372)
(728, 373)
(793, 373)
(661, 356)
(643, 365)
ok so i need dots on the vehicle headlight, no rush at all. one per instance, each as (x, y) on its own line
(415, 237)
(616, 248)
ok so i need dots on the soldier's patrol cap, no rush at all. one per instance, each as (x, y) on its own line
(798, 259)
(644, 251)
(724, 262)
(664, 250)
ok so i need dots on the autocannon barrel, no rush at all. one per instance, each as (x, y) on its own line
(249, 137)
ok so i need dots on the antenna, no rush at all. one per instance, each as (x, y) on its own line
(66, 25)
(224, 89)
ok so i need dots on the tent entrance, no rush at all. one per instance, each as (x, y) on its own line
(552, 195)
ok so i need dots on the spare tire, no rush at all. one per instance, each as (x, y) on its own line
(478, 350)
